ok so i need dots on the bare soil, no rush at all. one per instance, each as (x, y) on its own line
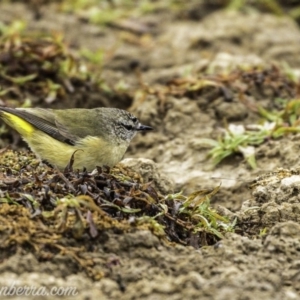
(261, 260)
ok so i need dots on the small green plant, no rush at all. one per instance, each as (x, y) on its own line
(194, 215)
(263, 232)
(271, 6)
(237, 139)
(243, 139)
(105, 12)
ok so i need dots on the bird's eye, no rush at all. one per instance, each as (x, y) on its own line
(134, 119)
(128, 127)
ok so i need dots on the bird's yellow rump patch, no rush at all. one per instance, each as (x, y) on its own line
(19, 124)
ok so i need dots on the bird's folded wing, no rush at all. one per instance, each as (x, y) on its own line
(43, 120)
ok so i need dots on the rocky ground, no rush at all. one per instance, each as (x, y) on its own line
(161, 57)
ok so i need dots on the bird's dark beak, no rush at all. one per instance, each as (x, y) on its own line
(143, 128)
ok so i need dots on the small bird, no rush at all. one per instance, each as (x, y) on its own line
(102, 135)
